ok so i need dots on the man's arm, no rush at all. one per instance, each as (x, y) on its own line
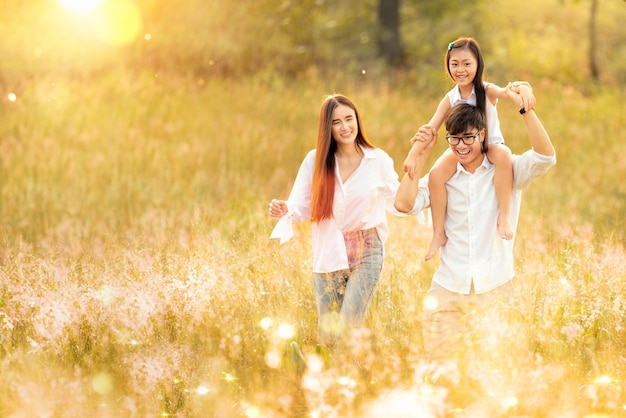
(424, 140)
(539, 138)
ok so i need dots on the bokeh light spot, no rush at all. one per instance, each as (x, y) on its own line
(285, 331)
(430, 303)
(272, 359)
(202, 390)
(266, 323)
(102, 383)
(12, 97)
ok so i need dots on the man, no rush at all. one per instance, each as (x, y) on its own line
(476, 264)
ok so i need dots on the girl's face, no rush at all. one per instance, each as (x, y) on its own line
(462, 66)
(344, 125)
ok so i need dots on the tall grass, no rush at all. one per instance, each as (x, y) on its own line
(137, 277)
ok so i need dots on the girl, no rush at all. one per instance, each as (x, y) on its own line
(465, 65)
(344, 187)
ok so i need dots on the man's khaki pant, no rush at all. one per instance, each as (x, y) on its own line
(454, 322)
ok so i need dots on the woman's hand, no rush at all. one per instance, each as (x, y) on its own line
(278, 208)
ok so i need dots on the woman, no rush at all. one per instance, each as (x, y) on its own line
(344, 187)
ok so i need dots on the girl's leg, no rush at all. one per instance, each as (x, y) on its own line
(442, 170)
(500, 157)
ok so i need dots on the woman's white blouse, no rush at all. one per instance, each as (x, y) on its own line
(359, 203)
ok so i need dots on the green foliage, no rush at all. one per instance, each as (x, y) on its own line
(532, 40)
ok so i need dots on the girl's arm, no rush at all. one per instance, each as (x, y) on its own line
(444, 106)
(410, 163)
(522, 88)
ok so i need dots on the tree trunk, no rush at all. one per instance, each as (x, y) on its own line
(389, 43)
(593, 43)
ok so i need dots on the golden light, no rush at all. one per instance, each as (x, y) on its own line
(119, 22)
(12, 97)
(81, 6)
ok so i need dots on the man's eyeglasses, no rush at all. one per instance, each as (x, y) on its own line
(467, 139)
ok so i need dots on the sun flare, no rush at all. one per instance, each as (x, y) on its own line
(83, 6)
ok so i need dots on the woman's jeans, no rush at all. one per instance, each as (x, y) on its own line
(343, 296)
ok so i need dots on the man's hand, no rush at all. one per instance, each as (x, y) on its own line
(522, 94)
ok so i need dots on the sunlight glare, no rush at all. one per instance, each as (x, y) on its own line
(12, 97)
(119, 22)
(81, 6)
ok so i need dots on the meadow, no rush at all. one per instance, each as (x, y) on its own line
(138, 278)
(140, 146)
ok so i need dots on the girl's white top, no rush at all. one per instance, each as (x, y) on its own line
(493, 123)
(359, 203)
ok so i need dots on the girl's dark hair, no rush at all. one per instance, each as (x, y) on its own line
(464, 116)
(323, 187)
(479, 86)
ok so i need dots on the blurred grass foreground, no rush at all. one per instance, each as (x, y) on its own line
(136, 274)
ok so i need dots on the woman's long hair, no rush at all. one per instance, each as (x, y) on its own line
(479, 85)
(323, 187)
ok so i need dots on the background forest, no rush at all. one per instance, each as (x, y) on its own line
(142, 140)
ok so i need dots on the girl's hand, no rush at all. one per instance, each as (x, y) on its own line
(425, 133)
(525, 97)
(278, 208)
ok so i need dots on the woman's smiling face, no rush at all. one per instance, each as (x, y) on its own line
(344, 125)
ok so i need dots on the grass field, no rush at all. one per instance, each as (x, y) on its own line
(137, 277)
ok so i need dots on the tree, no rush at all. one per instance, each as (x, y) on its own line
(593, 55)
(390, 45)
